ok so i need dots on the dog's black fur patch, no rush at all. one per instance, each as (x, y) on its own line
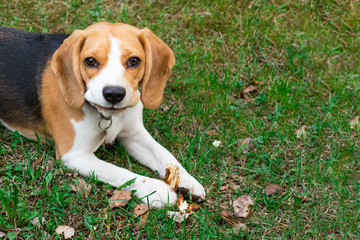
(23, 57)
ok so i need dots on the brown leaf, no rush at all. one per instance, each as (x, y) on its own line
(234, 222)
(80, 186)
(172, 176)
(211, 132)
(66, 230)
(36, 222)
(271, 189)
(141, 209)
(178, 216)
(143, 220)
(242, 205)
(250, 88)
(227, 217)
(119, 198)
(2, 234)
(224, 188)
(245, 93)
(239, 226)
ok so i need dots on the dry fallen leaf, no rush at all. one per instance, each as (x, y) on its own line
(234, 222)
(66, 230)
(227, 217)
(172, 176)
(239, 226)
(242, 205)
(224, 188)
(36, 222)
(119, 198)
(178, 216)
(141, 209)
(250, 88)
(80, 186)
(45, 235)
(271, 189)
(183, 206)
(2, 234)
(211, 132)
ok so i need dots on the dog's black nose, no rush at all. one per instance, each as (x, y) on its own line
(114, 95)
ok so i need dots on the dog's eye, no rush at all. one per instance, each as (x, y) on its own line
(133, 62)
(91, 62)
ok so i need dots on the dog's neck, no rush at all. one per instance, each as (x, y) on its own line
(104, 122)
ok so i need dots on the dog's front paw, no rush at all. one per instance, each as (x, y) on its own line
(155, 192)
(188, 185)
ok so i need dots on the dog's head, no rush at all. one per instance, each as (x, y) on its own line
(107, 62)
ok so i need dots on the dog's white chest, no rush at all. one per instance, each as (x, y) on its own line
(91, 132)
(111, 133)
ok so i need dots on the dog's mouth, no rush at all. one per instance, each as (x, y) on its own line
(112, 110)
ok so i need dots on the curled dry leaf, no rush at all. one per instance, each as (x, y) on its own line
(248, 89)
(172, 176)
(242, 205)
(2, 234)
(178, 216)
(271, 189)
(224, 188)
(66, 230)
(80, 186)
(183, 206)
(119, 198)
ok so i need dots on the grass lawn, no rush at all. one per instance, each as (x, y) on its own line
(302, 119)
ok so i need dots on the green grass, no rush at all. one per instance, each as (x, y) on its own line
(305, 56)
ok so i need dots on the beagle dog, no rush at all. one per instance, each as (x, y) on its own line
(82, 91)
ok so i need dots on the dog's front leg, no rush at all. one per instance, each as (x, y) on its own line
(152, 191)
(150, 153)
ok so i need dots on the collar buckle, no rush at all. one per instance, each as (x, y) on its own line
(104, 123)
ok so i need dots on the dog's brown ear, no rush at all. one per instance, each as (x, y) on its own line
(159, 60)
(65, 64)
